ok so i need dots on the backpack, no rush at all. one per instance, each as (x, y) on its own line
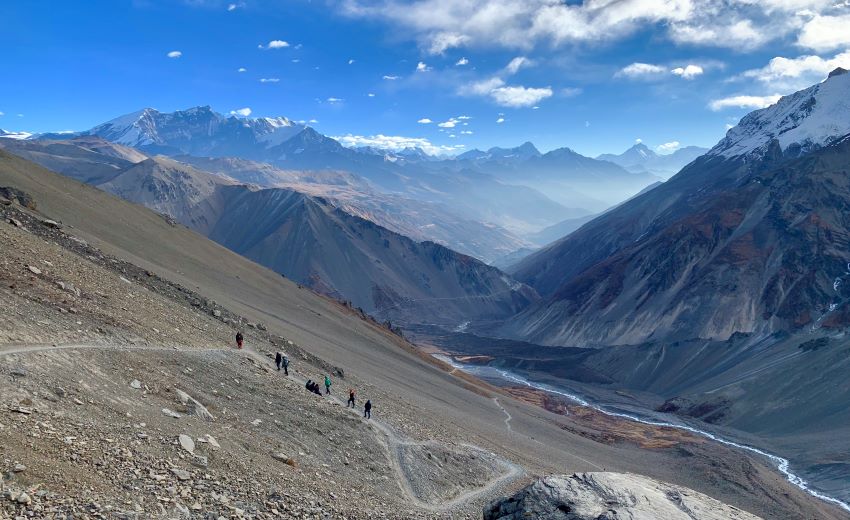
(285, 361)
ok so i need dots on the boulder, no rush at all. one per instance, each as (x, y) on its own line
(609, 496)
(194, 407)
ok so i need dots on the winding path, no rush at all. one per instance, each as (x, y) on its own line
(393, 442)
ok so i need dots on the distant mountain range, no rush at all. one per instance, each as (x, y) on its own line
(639, 159)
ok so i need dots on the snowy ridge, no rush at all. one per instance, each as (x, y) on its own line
(14, 135)
(152, 127)
(801, 122)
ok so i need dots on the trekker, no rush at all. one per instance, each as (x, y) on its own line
(277, 360)
(239, 339)
(316, 389)
(367, 409)
(350, 398)
(327, 385)
(309, 385)
(285, 363)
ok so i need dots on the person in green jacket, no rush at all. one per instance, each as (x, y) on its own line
(327, 385)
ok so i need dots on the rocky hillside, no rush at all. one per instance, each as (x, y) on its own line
(314, 242)
(753, 242)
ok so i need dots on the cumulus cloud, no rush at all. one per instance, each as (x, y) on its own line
(390, 78)
(233, 7)
(666, 148)
(335, 100)
(396, 143)
(424, 121)
(743, 102)
(500, 120)
(269, 80)
(791, 74)
(641, 70)
(351, 62)
(274, 44)
(174, 54)
(516, 64)
(422, 67)
(438, 25)
(451, 123)
(688, 71)
(241, 69)
(461, 62)
(466, 132)
(244, 112)
(371, 94)
(518, 96)
(825, 33)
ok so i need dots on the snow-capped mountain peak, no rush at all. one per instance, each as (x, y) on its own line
(14, 135)
(801, 122)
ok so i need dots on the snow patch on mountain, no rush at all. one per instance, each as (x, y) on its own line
(14, 135)
(801, 122)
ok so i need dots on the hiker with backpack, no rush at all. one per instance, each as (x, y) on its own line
(277, 360)
(285, 364)
(239, 339)
(367, 410)
(350, 398)
(327, 385)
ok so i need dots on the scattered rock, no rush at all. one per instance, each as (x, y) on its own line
(181, 474)
(136, 384)
(19, 468)
(19, 372)
(51, 223)
(15, 222)
(33, 269)
(187, 443)
(216, 313)
(23, 498)
(171, 413)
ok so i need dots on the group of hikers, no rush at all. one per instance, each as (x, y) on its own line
(282, 361)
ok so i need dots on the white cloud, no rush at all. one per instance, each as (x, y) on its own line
(334, 100)
(421, 67)
(350, 62)
(500, 120)
(741, 34)
(518, 96)
(825, 33)
(461, 62)
(451, 123)
(743, 102)
(274, 44)
(516, 64)
(241, 69)
(570, 92)
(269, 80)
(244, 112)
(424, 121)
(688, 71)
(396, 143)
(441, 42)
(371, 94)
(641, 70)
(233, 7)
(174, 54)
(666, 148)
(466, 132)
(390, 78)
(638, 140)
(791, 74)
(2, 114)
(506, 95)
(463, 118)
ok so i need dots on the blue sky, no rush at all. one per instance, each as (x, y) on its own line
(593, 75)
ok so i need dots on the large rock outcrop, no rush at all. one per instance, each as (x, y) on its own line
(609, 496)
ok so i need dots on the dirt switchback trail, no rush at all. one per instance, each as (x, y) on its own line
(394, 444)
